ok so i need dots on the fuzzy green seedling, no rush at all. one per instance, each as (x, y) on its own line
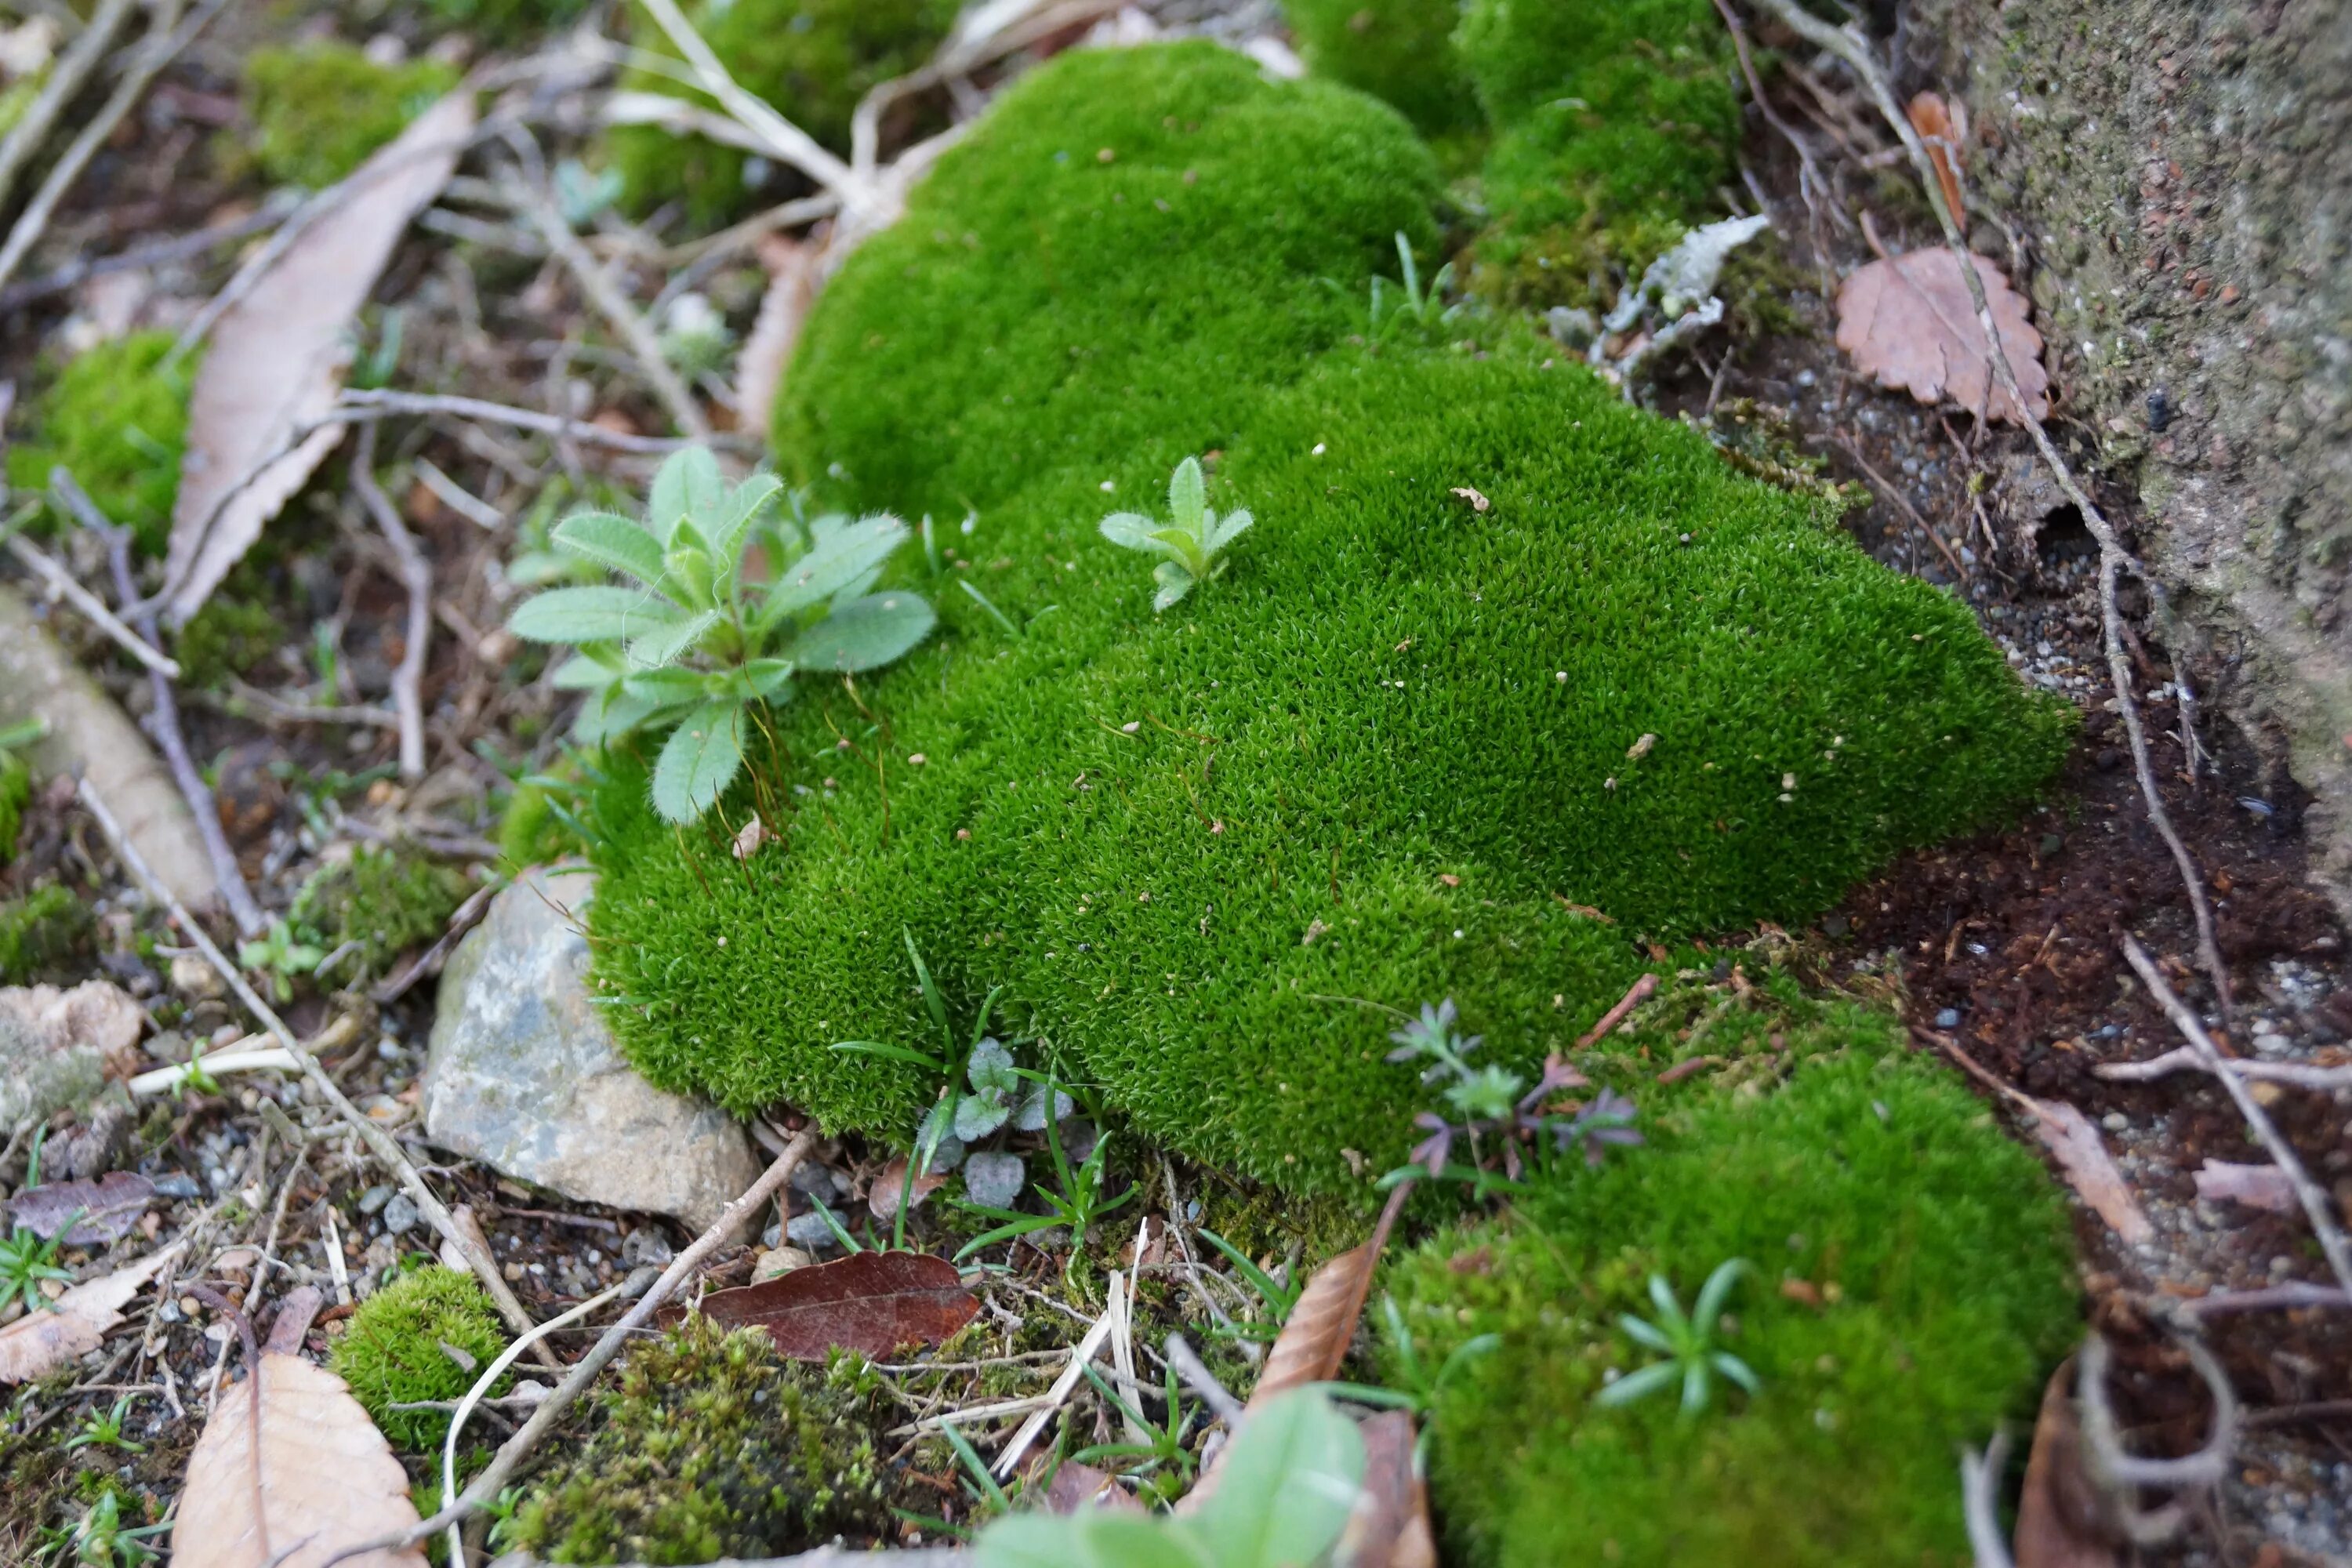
(104, 1431)
(1687, 1341)
(694, 644)
(1413, 1386)
(279, 954)
(1194, 538)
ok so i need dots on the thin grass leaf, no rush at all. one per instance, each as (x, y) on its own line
(1636, 1385)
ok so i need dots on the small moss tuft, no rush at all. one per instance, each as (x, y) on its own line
(320, 108)
(393, 1351)
(227, 637)
(386, 898)
(16, 790)
(710, 1446)
(506, 21)
(43, 932)
(118, 418)
(1911, 1287)
(1399, 51)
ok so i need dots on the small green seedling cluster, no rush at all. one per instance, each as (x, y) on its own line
(27, 1262)
(696, 645)
(1686, 1340)
(278, 955)
(1191, 542)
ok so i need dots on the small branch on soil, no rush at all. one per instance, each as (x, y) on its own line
(416, 576)
(65, 77)
(2270, 1298)
(140, 257)
(245, 701)
(358, 405)
(467, 916)
(2113, 559)
(98, 615)
(959, 59)
(380, 1142)
(2308, 1193)
(2184, 1059)
(2120, 1474)
(515, 1449)
(1203, 1382)
(1981, 1500)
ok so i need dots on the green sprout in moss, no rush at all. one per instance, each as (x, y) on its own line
(105, 1431)
(194, 1077)
(1491, 1109)
(1164, 1453)
(1412, 1386)
(1191, 541)
(421, 1339)
(1688, 1343)
(279, 954)
(1412, 304)
(696, 645)
(99, 1539)
(27, 1261)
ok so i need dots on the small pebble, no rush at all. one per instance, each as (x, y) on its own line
(1950, 1018)
(646, 1247)
(810, 1231)
(778, 1260)
(2115, 1121)
(400, 1214)
(375, 1198)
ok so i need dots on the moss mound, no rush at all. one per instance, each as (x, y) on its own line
(43, 932)
(383, 900)
(119, 419)
(709, 1446)
(1927, 1293)
(15, 792)
(391, 1354)
(1376, 762)
(812, 59)
(320, 108)
(1399, 51)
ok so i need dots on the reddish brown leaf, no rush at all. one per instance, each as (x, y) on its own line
(1314, 1341)
(1909, 321)
(2058, 1510)
(1389, 1526)
(1933, 121)
(1076, 1486)
(870, 1302)
(46, 1338)
(882, 1199)
(101, 1212)
(2076, 1144)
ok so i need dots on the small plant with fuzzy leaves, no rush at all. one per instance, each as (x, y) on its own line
(694, 646)
(1686, 1342)
(1189, 543)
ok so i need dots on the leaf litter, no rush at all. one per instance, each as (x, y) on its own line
(1909, 322)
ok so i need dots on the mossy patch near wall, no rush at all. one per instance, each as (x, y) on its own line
(381, 901)
(45, 930)
(1375, 763)
(118, 416)
(320, 108)
(1911, 1287)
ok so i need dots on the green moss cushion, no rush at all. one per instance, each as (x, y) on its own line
(118, 416)
(1374, 764)
(320, 108)
(1933, 1294)
(1401, 51)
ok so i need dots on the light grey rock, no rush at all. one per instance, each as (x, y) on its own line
(524, 1075)
(811, 1233)
(995, 1180)
(401, 1214)
(55, 1047)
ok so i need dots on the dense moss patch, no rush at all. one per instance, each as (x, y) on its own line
(1399, 51)
(382, 900)
(1910, 1287)
(118, 416)
(44, 932)
(706, 1447)
(812, 59)
(16, 790)
(392, 1352)
(320, 108)
(1375, 763)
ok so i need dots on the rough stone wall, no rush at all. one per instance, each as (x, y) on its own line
(2181, 171)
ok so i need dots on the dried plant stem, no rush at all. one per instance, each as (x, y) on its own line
(65, 78)
(92, 610)
(2308, 1193)
(785, 140)
(417, 577)
(380, 1142)
(359, 405)
(140, 258)
(2113, 559)
(1980, 1501)
(2183, 1058)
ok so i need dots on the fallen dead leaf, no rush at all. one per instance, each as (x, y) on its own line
(1389, 1525)
(1314, 1341)
(2256, 1186)
(882, 1201)
(795, 273)
(277, 357)
(42, 1340)
(2058, 1510)
(870, 1302)
(314, 1476)
(101, 1212)
(754, 835)
(1909, 322)
(1932, 119)
(1076, 1486)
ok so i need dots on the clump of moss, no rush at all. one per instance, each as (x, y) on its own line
(16, 790)
(812, 59)
(391, 1354)
(320, 108)
(1616, 121)
(118, 416)
(1911, 1287)
(1376, 762)
(707, 1446)
(386, 898)
(1399, 51)
(228, 636)
(42, 932)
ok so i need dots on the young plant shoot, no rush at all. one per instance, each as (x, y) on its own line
(693, 643)
(1190, 544)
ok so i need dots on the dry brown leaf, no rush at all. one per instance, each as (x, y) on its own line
(316, 1478)
(882, 1198)
(1933, 121)
(2058, 1510)
(100, 1212)
(277, 357)
(871, 1302)
(1076, 1486)
(2256, 1186)
(2075, 1143)
(1314, 1341)
(42, 1340)
(1909, 322)
(795, 273)
(1389, 1525)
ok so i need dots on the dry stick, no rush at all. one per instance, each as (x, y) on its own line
(163, 713)
(98, 615)
(786, 140)
(958, 59)
(72, 69)
(2113, 559)
(2307, 1192)
(515, 1449)
(1880, 482)
(416, 576)
(1809, 181)
(1980, 1501)
(2299, 1075)
(140, 258)
(380, 1142)
(2121, 1475)
(163, 46)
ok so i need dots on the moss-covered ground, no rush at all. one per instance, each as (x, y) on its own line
(381, 901)
(117, 415)
(1393, 755)
(320, 108)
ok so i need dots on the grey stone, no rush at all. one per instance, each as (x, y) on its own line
(523, 1074)
(373, 1200)
(809, 1231)
(995, 1180)
(646, 1247)
(54, 1045)
(400, 1215)
(1950, 1018)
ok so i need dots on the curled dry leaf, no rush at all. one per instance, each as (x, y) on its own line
(101, 1212)
(42, 1340)
(2075, 1143)
(277, 356)
(2058, 1513)
(314, 1478)
(1076, 1486)
(1389, 1527)
(1314, 1341)
(1479, 503)
(1943, 132)
(1909, 322)
(882, 1199)
(870, 1302)
(2256, 1186)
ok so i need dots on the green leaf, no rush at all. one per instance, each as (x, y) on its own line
(991, 1069)
(771, 677)
(612, 542)
(1188, 495)
(699, 761)
(687, 481)
(1287, 1486)
(591, 669)
(666, 645)
(1092, 1538)
(742, 505)
(1229, 528)
(841, 555)
(589, 615)
(1716, 1292)
(894, 1053)
(1634, 1385)
(669, 686)
(864, 634)
(1129, 531)
(1174, 584)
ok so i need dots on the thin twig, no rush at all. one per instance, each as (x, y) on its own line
(1980, 1501)
(65, 78)
(787, 140)
(95, 613)
(245, 701)
(1887, 487)
(2291, 1297)
(1203, 1382)
(416, 576)
(163, 713)
(2120, 1474)
(2183, 1058)
(467, 916)
(378, 1142)
(140, 257)
(2307, 1192)
(2113, 559)
(357, 406)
